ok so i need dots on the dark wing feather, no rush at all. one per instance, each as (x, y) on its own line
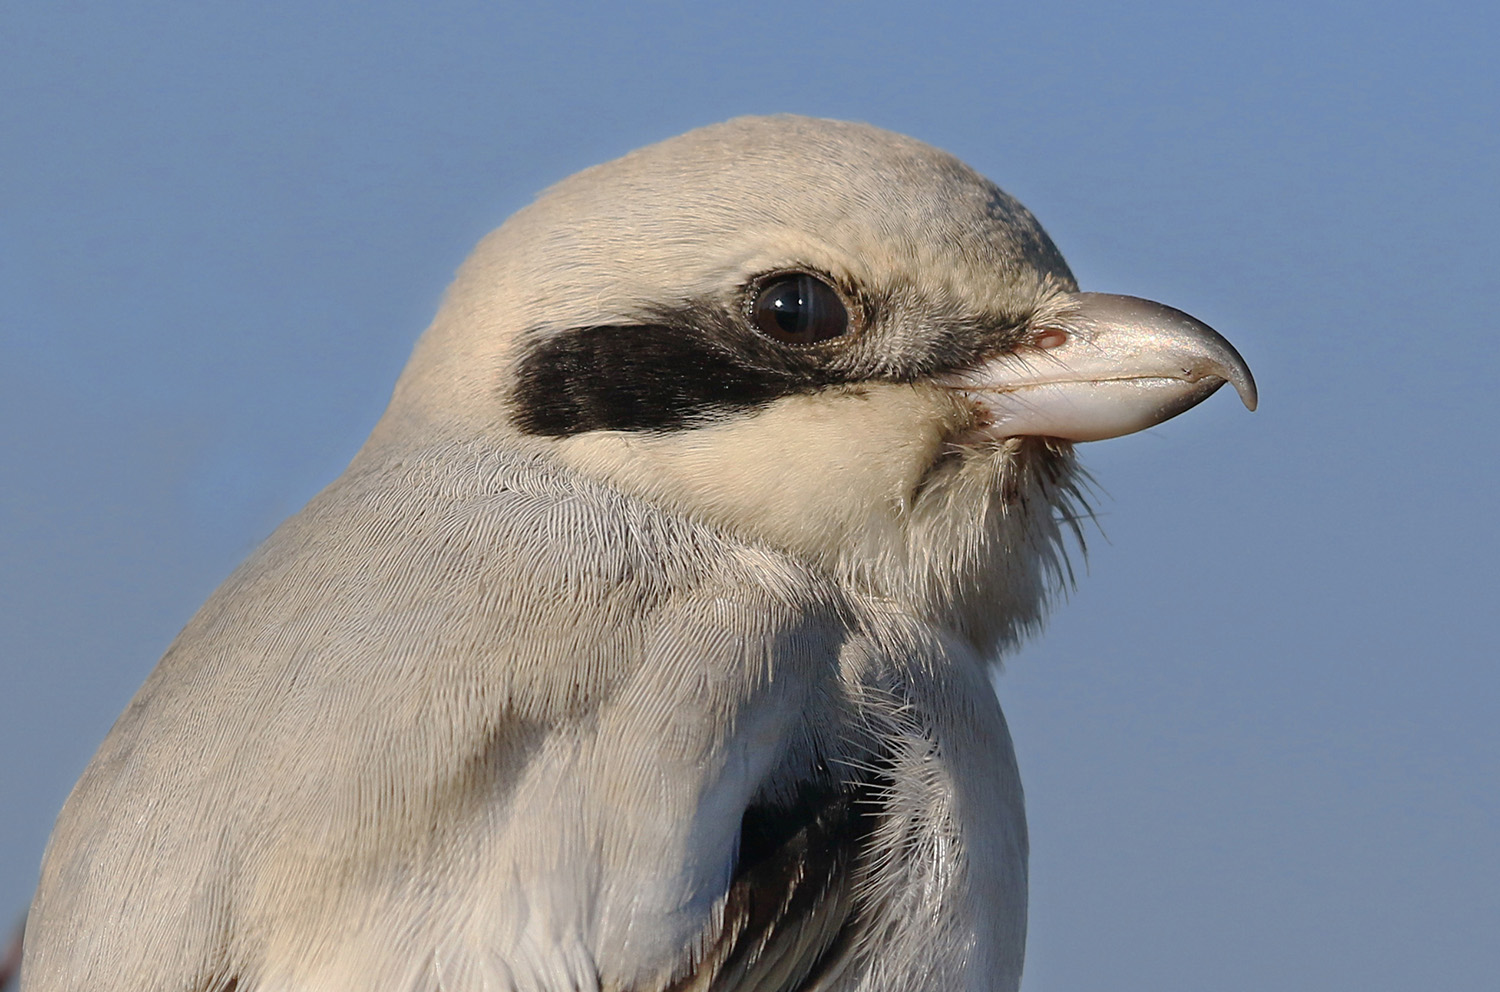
(787, 918)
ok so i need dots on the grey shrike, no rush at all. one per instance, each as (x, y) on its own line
(646, 644)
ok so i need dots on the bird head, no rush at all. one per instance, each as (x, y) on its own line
(821, 337)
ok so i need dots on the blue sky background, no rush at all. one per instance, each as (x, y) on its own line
(1259, 743)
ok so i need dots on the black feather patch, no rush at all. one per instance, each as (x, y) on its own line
(643, 377)
(685, 367)
(788, 915)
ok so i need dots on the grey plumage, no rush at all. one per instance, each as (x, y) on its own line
(638, 649)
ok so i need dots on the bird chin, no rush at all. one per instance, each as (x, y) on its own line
(988, 539)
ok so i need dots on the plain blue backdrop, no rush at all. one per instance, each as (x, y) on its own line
(1259, 742)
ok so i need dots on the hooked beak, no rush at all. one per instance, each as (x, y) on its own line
(1113, 365)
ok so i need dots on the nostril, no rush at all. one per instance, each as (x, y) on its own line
(1050, 338)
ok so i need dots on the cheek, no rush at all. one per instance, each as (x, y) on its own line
(809, 474)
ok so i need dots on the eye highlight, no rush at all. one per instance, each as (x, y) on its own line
(799, 309)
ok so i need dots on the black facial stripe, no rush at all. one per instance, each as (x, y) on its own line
(683, 367)
(649, 377)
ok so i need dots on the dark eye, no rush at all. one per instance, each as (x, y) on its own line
(799, 309)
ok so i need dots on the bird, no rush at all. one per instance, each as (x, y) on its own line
(647, 643)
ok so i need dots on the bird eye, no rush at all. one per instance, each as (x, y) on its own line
(799, 309)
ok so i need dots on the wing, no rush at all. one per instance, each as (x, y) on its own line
(465, 714)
